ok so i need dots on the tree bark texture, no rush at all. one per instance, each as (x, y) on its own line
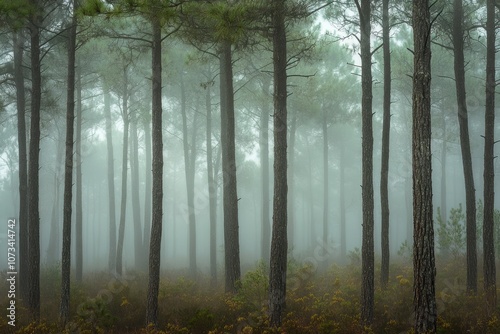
(470, 191)
(489, 167)
(386, 128)
(68, 174)
(279, 242)
(157, 168)
(424, 270)
(230, 195)
(367, 251)
(34, 166)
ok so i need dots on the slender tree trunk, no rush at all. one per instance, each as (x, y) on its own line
(470, 191)
(157, 192)
(444, 210)
(54, 236)
(312, 234)
(325, 179)
(291, 184)
(264, 165)
(123, 205)
(23, 162)
(136, 205)
(68, 173)
(79, 185)
(111, 180)
(343, 233)
(489, 168)
(34, 166)
(189, 172)
(279, 242)
(424, 270)
(384, 173)
(147, 190)
(212, 189)
(367, 288)
(230, 195)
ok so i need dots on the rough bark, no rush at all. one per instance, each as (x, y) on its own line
(264, 165)
(489, 168)
(384, 170)
(424, 270)
(68, 174)
(279, 242)
(136, 204)
(23, 162)
(367, 251)
(79, 185)
(470, 191)
(157, 167)
(111, 180)
(34, 166)
(230, 195)
(123, 204)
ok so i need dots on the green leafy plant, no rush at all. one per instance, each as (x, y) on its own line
(451, 233)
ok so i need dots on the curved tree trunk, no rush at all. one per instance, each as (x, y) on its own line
(470, 191)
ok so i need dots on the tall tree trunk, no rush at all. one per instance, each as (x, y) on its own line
(23, 162)
(443, 171)
(54, 235)
(157, 166)
(123, 204)
(136, 205)
(367, 288)
(489, 168)
(79, 185)
(342, 194)
(265, 240)
(470, 191)
(325, 179)
(212, 189)
(68, 173)
(34, 166)
(424, 270)
(111, 180)
(147, 190)
(189, 173)
(279, 242)
(384, 172)
(291, 184)
(230, 195)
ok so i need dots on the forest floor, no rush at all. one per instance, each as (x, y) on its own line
(318, 301)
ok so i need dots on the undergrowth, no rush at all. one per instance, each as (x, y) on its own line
(319, 300)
